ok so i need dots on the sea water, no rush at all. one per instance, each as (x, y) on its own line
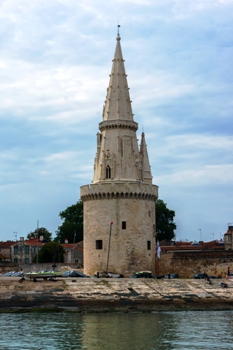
(114, 331)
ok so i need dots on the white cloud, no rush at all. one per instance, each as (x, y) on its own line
(54, 67)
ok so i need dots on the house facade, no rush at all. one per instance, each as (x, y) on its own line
(228, 237)
(24, 251)
(5, 250)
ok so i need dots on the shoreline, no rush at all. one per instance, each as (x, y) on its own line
(114, 295)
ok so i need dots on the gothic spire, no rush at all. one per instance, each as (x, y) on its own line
(118, 104)
(145, 164)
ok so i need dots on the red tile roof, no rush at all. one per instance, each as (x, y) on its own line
(6, 244)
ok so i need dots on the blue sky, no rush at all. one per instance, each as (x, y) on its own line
(55, 61)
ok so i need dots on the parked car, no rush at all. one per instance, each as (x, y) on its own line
(200, 275)
(8, 274)
(142, 274)
(17, 274)
(172, 275)
(72, 273)
(114, 275)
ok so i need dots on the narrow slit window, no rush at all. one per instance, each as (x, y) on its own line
(123, 225)
(99, 244)
(148, 245)
(108, 172)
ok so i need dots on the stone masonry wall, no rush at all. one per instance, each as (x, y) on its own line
(128, 247)
(187, 264)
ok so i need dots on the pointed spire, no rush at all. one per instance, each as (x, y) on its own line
(146, 175)
(118, 104)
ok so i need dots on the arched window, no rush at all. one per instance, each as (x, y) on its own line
(108, 172)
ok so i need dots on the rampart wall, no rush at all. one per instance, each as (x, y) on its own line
(187, 264)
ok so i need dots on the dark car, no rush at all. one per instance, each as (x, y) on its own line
(142, 274)
(172, 275)
(73, 273)
(200, 275)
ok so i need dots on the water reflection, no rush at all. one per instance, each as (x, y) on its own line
(157, 331)
(128, 331)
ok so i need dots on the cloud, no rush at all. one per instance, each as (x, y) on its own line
(54, 66)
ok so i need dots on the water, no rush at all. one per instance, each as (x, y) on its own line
(153, 331)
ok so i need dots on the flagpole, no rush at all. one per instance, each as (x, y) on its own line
(109, 240)
(158, 256)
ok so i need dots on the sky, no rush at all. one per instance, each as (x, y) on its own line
(55, 61)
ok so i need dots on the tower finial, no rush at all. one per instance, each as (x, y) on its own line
(118, 28)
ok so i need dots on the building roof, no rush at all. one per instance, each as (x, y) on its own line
(2, 256)
(195, 246)
(6, 244)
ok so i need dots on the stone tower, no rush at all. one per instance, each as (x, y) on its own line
(119, 205)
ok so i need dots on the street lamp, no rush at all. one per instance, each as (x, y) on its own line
(37, 245)
(199, 229)
(15, 234)
(72, 257)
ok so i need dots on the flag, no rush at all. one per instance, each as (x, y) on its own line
(158, 250)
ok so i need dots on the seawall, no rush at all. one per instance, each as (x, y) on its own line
(106, 295)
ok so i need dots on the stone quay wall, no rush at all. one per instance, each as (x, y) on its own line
(109, 295)
(187, 264)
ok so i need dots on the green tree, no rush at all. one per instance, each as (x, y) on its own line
(71, 228)
(51, 252)
(41, 232)
(165, 225)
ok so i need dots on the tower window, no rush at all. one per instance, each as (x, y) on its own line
(148, 245)
(123, 225)
(108, 172)
(99, 244)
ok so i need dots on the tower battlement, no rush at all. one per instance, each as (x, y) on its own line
(119, 189)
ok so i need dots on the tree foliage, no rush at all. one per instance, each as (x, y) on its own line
(51, 252)
(165, 225)
(71, 228)
(41, 232)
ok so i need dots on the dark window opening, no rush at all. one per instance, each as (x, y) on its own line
(148, 245)
(108, 172)
(99, 244)
(123, 225)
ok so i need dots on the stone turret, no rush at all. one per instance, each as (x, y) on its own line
(119, 205)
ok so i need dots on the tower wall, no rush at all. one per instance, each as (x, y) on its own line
(122, 190)
(132, 247)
